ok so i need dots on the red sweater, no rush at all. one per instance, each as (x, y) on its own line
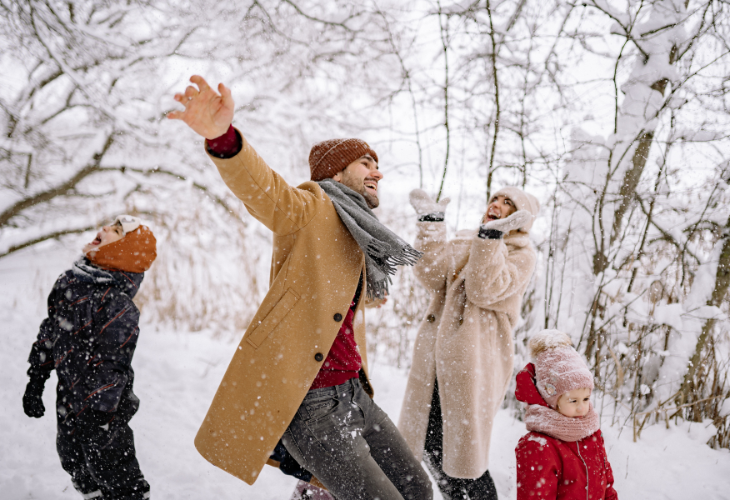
(551, 469)
(343, 362)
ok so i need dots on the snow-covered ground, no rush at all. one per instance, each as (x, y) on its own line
(177, 374)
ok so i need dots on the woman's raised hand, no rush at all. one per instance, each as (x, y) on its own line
(206, 112)
(517, 220)
(425, 205)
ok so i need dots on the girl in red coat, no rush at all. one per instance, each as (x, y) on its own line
(562, 457)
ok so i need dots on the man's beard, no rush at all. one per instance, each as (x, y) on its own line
(371, 200)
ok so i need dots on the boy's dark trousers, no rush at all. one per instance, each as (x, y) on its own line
(347, 442)
(452, 488)
(97, 450)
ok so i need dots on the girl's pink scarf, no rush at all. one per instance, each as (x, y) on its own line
(545, 420)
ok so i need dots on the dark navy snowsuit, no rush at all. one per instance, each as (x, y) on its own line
(89, 338)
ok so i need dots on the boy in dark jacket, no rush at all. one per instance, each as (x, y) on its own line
(89, 338)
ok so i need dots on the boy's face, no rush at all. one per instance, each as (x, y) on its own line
(108, 234)
(575, 403)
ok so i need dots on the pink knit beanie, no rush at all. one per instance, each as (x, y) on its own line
(558, 366)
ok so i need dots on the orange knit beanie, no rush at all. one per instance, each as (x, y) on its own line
(328, 158)
(134, 253)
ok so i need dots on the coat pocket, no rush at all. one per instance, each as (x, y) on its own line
(275, 316)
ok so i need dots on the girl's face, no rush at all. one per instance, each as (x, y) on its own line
(575, 403)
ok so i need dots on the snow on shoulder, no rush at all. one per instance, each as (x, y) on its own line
(538, 439)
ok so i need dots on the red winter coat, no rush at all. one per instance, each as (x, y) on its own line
(548, 468)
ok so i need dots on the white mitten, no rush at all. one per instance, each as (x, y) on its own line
(425, 205)
(515, 221)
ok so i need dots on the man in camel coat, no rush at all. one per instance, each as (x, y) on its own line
(299, 378)
(463, 355)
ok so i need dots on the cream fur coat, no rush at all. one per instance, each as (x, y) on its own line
(465, 340)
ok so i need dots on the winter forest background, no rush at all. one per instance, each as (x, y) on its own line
(614, 113)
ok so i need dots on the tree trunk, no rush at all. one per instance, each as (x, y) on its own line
(628, 185)
(633, 175)
(631, 181)
(722, 282)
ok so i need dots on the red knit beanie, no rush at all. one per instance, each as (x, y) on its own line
(134, 253)
(328, 158)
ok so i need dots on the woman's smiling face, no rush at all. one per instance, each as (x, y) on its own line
(499, 208)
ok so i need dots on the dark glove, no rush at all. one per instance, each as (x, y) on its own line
(490, 234)
(33, 398)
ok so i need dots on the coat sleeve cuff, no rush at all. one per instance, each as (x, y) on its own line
(226, 146)
(434, 217)
(490, 234)
(39, 374)
(431, 229)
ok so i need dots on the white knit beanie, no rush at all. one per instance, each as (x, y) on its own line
(558, 366)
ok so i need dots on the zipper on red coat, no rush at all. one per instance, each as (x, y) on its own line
(588, 479)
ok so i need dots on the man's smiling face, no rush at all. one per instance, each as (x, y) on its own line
(362, 176)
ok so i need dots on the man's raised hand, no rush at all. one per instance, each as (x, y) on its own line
(206, 112)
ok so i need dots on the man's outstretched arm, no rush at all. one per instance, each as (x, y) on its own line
(266, 195)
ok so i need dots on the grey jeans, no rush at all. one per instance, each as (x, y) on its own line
(342, 437)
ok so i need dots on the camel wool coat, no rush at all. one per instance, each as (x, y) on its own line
(315, 269)
(465, 340)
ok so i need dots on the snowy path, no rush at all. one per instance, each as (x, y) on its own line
(176, 376)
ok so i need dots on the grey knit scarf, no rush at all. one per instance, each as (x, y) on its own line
(383, 249)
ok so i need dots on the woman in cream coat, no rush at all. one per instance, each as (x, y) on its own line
(463, 356)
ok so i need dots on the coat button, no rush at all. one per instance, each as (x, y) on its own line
(338, 317)
(461, 321)
(430, 318)
(318, 357)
